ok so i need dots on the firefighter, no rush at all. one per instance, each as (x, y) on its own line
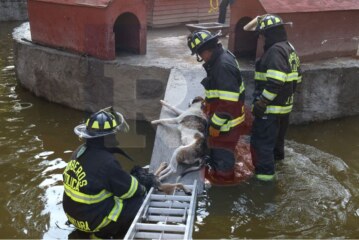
(277, 74)
(224, 102)
(100, 198)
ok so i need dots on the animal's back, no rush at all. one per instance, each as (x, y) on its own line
(194, 122)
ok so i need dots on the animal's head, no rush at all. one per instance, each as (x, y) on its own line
(196, 101)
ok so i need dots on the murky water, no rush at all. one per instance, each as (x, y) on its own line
(315, 196)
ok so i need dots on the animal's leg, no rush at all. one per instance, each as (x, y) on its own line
(172, 167)
(162, 166)
(164, 173)
(173, 108)
(183, 188)
(169, 188)
(165, 121)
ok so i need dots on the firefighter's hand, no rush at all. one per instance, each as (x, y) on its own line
(259, 107)
(214, 132)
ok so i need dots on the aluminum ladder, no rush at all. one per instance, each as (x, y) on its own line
(165, 216)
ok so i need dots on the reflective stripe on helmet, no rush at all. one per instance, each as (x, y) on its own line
(95, 125)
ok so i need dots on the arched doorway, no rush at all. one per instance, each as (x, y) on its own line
(245, 42)
(127, 33)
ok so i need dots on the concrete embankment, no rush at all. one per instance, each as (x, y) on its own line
(135, 83)
(13, 10)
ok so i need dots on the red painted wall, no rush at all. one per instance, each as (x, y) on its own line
(315, 35)
(84, 29)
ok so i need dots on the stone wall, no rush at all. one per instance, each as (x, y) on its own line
(13, 10)
(329, 89)
(89, 84)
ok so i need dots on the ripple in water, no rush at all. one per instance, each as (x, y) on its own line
(311, 198)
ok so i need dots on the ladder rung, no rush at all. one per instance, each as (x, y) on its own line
(169, 204)
(170, 197)
(152, 210)
(160, 227)
(152, 235)
(165, 219)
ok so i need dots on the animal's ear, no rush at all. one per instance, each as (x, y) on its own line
(197, 99)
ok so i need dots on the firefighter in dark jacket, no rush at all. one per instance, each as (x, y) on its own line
(277, 74)
(224, 102)
(100, 198)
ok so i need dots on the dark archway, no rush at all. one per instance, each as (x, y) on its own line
(127, 33)
(245, 42)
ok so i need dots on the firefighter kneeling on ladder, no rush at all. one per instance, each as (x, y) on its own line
(100, 198)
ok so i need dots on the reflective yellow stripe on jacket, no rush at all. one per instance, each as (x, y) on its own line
(232, 123)
(86, 198)
(227, 125)
(279, 109)
(278, 75)
(218, 121)
(132, 190)
(225, 95)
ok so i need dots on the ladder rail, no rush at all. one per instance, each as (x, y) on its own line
(191, 214)
(165, 216)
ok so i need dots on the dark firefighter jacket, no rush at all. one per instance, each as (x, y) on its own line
(276, 77)
(224, 91)
(97, 190)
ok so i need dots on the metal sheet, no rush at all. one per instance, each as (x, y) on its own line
(291, 6)
(160, 227)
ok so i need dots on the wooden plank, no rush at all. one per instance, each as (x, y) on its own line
(160, 227)
(175, 11)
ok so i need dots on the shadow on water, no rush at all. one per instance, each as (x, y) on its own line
(315, 195)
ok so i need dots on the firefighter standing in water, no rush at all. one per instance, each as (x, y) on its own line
(277, 74)
(224, 102)
(100, 198)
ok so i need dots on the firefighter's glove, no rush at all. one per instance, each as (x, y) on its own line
(214, 132)
(259, 107)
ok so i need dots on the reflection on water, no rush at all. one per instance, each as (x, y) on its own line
(36, 140)
(315, 196)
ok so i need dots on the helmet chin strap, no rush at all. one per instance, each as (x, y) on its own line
(199, 59)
